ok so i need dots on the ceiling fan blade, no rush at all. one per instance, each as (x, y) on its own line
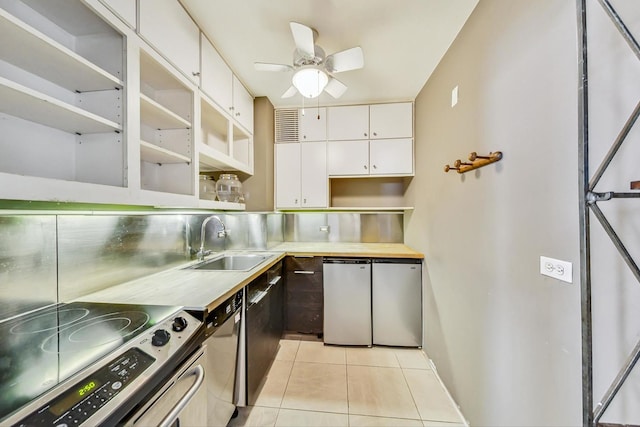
(335, 88)
(303, 38)
(346, 60)
(263, 66)
(290, 92)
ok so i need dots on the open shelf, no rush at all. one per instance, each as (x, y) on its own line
(155, 115)
(372, 194)
(47, 58)
(154, 154)
(28, 104)
(214, 160)
(223, 206)
(215, 126)
(222, 146)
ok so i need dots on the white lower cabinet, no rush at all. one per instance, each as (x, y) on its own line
(301, 175)
(375, 157)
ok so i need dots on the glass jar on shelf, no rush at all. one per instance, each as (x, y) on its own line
(207, 187)
(229, 188)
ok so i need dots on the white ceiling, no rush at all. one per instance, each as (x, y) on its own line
(402, 40)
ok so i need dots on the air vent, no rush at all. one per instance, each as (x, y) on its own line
(287, 125)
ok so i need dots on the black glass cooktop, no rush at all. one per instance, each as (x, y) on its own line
(41, 349)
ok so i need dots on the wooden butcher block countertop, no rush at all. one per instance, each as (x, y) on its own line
(206, 289)
(373, 250)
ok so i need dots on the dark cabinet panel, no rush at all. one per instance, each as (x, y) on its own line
(303, 295)
(265, 322)
(311, 263)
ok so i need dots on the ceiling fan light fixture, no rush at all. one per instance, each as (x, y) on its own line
(310, 81)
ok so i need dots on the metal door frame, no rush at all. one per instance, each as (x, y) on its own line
(588, 201)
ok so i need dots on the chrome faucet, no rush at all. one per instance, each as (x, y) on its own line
(222, 233)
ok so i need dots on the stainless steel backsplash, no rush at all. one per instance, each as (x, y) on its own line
(46, 259)
(98, 251)
(27, 263)
(344, 227)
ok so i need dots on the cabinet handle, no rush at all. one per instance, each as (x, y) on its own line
(375, 167)
(365, 166)
(231, 108)
(237, 114)
(295, 202)
(303, 272)
(375, 134)
(195, 73)
(274, 281)
(304, 201)
(365, 134)
(304, 136)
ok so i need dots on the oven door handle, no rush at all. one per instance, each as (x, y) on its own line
(173, 415)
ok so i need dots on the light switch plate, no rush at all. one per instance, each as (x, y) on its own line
(454, 96)
(561, 270)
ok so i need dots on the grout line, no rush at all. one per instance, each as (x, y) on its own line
(293, 364)
(415, 404)
(446, 390)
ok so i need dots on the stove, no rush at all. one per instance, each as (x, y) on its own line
(71, 363)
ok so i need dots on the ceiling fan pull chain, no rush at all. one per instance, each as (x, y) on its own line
(318, 98)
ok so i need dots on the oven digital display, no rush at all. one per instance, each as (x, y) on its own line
(74, 396)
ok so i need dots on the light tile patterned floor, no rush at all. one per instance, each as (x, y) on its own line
(311, 384)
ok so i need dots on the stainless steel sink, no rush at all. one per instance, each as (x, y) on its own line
(240, 262)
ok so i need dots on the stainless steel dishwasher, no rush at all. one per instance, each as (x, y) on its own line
(347, 301)
(397, 302)
(223, 327)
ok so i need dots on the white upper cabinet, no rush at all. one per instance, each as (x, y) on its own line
(124, 9)
(288, 182)
(391, 157)
(301, 175)
(373, 158)
(168, 27)
(313, 174)
(348, 122)
(372, 140)
(242, 105)
(346, 158)
(216, 79)
(391, 120)
(312, 124)
(376, 121)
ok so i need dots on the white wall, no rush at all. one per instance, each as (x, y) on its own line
(505, 340)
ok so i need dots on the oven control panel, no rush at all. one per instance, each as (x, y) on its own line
(86, 397)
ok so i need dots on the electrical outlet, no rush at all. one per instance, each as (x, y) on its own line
(561, 270)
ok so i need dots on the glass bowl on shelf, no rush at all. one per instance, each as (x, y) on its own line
(229, 188)
(207, 187)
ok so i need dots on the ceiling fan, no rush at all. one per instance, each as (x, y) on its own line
(313, 70)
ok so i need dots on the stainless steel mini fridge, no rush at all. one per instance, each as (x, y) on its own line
(397, 302)
(347, 301)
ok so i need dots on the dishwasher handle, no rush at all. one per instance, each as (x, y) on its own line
(264, 293)
(274, 281)
(173, 415)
